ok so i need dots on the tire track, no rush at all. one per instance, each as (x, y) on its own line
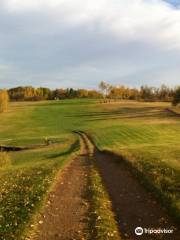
(65, 216)
(132, 204)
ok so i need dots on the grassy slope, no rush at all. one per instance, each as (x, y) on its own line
(148, 136)
(143, 132)
(30, 123)
(26, 179)
(25, 182)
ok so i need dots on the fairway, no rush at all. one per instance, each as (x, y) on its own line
(89, 120)
(145, 135)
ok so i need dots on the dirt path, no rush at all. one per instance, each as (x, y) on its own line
(132, 204)
(65, 216)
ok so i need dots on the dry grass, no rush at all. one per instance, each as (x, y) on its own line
(176, 109)
(5, 160)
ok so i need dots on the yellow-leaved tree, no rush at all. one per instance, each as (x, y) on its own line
(4, 100)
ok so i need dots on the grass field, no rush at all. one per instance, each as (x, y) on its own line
(147, 135)
(144, 133)
(25, 177)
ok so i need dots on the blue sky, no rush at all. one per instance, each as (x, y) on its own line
(77, 43)
(174, 2)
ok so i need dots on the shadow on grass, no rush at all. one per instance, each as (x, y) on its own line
(72, 148)
(30, 147)
(128, 113)
(134, 197)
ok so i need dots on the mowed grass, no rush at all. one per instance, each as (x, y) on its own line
(26, 176)
(147, 136)
(25, 182)
(31, 123)
(144, 133)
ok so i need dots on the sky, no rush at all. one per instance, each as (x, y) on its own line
(77, 43)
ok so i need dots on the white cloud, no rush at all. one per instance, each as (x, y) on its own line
(149, 21)
(80, 42)
(3, 67)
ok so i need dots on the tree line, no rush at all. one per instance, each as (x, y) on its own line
(145, 93)
(106, 92)
(38, 94)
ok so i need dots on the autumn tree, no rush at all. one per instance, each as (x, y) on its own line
(107, 91)
(82, 93)
(105, 88)
(94, 94)
(165, 93)
(59, 94)
(4, 99)
(147, 93)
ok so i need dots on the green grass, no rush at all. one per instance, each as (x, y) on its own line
(102, 224)
(144, 133)
(101, 218)
(27, 123)
(25, 183)
(148, 137)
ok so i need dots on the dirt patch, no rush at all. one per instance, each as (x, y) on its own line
(65, 216)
